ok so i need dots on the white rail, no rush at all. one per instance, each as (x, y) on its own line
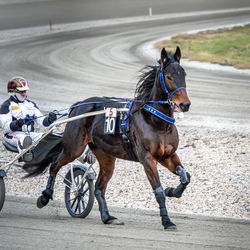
(99, 112)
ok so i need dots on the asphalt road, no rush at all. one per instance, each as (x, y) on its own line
(67, 67)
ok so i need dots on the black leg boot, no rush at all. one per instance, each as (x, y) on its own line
(105, 216)
(47, 194)
(160, 197)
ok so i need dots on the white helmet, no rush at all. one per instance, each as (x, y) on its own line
(17, 84)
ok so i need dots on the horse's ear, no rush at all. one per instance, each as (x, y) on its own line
(177, 54)
(164, 57)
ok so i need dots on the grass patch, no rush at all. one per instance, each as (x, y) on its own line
(223, 46)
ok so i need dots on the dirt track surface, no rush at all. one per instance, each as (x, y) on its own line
(22, 226)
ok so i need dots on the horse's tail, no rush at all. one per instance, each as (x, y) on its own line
(35, 168)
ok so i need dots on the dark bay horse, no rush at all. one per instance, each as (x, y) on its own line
(153, 137)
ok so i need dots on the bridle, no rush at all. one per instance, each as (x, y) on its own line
(156, 112)
(162, 81)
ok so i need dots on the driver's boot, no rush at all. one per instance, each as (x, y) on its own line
(28, 156)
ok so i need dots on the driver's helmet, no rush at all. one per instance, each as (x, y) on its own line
(17, 84)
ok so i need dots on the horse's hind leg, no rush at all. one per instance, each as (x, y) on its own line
(174, 165)
(107, 164)
(47, 194)
(67, 155)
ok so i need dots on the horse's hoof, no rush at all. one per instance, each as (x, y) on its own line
(42, 201)
(169, 192)
(115, 222)
(39, 203)
(170, 227)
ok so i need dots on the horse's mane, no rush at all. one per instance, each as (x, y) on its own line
(146, 82)
(143, 87)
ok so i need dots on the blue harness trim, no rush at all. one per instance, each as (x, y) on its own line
(124, 129)
(159, 114)
(124, 121)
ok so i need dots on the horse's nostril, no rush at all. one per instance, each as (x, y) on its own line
(184, 107)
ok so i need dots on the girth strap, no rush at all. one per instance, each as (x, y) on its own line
(124, 129)
(128, 147)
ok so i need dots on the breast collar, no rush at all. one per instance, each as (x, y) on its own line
(159, 114)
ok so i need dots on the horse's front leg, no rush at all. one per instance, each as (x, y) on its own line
(174, 165)
(150, 167)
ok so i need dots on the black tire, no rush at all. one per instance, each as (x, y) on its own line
(2, 193)
(79, 204)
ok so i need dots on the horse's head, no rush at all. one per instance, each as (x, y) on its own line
(172, 80)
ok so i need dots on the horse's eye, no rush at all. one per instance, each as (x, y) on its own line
(170, 78)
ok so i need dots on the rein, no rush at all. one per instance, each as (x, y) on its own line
(58, 112)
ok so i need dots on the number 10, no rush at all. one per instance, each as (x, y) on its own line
(110, 125)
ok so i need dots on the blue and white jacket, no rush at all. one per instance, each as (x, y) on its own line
(13, 109)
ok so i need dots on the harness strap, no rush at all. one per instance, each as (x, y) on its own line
(176, 91)
(128, 147)
(124, 121)
(124, 129)
(159, 114)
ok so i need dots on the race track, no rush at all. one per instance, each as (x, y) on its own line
(65, 67)
(22, 226)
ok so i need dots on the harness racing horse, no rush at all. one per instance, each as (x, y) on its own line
(153, 137)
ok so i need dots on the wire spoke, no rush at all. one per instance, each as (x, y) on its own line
(77, 204)
(85, 191)
(82, 186)
(77, 180)
(69, 200)
(73, 203)
(84, 203)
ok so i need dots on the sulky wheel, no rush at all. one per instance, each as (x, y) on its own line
(2, 192)
(79, 202)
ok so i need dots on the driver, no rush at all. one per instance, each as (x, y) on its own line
(18, 115)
